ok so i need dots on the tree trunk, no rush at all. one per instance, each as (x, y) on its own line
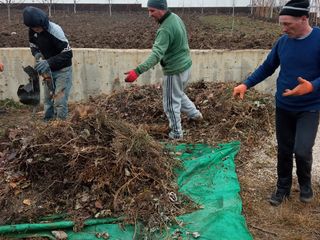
(202, 8)
(251, 3)
(49, 10)
(233, 6)
(9, 13)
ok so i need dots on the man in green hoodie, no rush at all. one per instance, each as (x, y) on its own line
(171, 49)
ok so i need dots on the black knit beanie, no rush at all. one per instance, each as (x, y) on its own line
(296, 8)
(158, 4)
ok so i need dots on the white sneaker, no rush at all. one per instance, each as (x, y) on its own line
(175, 137)
(198, 118)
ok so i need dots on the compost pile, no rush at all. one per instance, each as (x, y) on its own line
(90, 166)
(225, 118)
(106, 161)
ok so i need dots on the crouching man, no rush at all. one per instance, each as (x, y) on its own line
(53, 56)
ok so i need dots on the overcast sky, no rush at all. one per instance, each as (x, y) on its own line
(171, 3)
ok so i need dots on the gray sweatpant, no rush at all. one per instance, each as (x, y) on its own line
(176, 101)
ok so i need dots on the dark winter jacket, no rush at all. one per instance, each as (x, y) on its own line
(51, 42)
(296, 58)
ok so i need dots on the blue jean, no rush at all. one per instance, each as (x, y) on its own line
(296, 133)
(57, 107)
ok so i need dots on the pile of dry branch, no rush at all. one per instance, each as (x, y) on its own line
(225, 118)
(105, 161)
(91, 166)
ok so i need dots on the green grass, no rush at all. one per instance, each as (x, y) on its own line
(10, 103)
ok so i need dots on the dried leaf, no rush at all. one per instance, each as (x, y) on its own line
(103, 235)
(27, 202)
(60, 235)
(98, 204)
(13, 185)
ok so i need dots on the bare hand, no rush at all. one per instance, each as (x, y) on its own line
(240, 90)
(304, 87)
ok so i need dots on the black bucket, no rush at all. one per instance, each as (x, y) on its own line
(29, 94)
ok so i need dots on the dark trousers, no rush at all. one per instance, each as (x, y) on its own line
(296, 133)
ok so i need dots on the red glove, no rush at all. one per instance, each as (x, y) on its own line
(304, 87)
(131, 76)
(240, 90)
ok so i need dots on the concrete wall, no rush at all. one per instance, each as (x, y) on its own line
(99, 71)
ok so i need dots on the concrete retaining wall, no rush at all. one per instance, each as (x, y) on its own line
(99, 71)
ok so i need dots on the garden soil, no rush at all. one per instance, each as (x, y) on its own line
(135, 30)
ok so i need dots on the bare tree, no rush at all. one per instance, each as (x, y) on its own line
(264, 8)
(8, 4)
(233, 6)
(259, 8)
(110, 7)
(202, 7)
(182, 6)
(282, 2)
(49, 4)
(271, 6)
(314, 11)
(279, 5)
(252, 2)
(75, 5)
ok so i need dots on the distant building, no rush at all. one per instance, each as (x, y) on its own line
(171, 3)
(203, 3)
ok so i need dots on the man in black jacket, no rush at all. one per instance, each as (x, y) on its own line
(53, 55)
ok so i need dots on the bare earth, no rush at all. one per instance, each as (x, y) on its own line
(137, 30)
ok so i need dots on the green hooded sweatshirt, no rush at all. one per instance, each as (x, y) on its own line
(170, 48)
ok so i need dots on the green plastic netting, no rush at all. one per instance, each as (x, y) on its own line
(208, 178)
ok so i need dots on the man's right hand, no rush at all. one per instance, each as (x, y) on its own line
(240, 90)
(1, 67)
(131, 76)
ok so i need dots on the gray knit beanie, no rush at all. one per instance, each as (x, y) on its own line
(158, 4)
(296, 8)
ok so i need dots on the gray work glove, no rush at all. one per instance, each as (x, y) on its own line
(38, 56)
(42, 66)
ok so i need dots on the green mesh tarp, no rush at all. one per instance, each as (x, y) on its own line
(208, 178)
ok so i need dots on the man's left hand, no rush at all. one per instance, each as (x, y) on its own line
(38, 56)
(42, 66)
(1, 67)
(303, 88)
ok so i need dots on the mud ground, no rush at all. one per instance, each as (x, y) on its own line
(136, 30)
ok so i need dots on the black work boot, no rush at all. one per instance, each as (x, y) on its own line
(306, 194)
(278, 197)
(304, 165)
